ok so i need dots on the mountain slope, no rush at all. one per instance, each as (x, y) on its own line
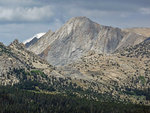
(16, 63)
(7, 63)
(123, 77)
(141, 50)
(78, 36)
(141, 31)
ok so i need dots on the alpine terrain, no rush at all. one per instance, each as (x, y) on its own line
(83, 67)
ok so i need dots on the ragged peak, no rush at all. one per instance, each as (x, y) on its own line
(16, 44)
(1, 44)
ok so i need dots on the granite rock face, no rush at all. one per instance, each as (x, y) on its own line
(79, 36)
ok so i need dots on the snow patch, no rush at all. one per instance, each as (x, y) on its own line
(39, 35)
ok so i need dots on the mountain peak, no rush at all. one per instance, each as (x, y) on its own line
(16, 44)
(1, 44)
(79, 18)
(78, 36)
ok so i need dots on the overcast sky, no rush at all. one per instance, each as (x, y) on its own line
(22, 19)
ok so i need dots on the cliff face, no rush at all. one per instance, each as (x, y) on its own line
(80, 35)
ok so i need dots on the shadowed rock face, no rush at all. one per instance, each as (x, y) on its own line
(78, 36)
(32, 42)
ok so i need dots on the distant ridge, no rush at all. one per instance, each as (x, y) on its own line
(139, 30)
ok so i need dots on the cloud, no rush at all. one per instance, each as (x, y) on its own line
(145, 10)
(26, 14)
(13, 3)
(24, 18)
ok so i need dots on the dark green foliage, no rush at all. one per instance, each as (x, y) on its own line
(31, 85)
(137, 92)
(14, 100)
(142, 79)
(38, 72)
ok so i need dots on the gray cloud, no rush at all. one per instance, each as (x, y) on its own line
(14, 3)
(50, 10)
(22, 18)
(21, 14)
(145, 11)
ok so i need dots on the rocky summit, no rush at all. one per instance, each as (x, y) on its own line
(78, 36)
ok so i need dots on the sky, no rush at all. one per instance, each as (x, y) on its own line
(21, 19)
